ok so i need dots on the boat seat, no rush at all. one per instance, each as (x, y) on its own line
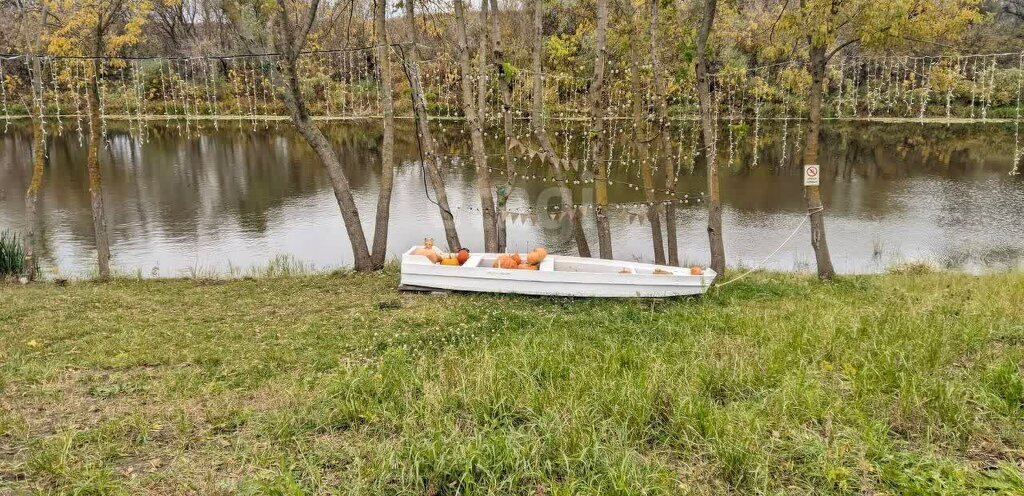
(547, 265)
(473, 261)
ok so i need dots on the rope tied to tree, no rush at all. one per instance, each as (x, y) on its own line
(803, 220)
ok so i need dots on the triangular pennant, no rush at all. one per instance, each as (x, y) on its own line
(533, 219)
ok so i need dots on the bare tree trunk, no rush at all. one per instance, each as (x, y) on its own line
(99, 219)
(387, 149)
(646, 175)
(710, 140)
(474, 121)
(339, 181)
(38, 166)
(289, 40)
(38, 151)
(537, 122)
(291, 94)
(597, 131)
(812, 194)
(667, 166)
(505, 82)
(426, 139)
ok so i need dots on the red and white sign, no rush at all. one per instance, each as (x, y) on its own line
(812, 175)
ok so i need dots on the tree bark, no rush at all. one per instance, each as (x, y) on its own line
(387, 148)
(505, 83)
(667, 166)
(474, 121)
(426, 139)
(99, 219)
(537, 122)
(710, 140)
(597, 132)
(812, 194)
(646, 174)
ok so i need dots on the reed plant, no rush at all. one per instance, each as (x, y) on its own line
(12, 255)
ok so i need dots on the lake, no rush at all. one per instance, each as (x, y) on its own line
(222, 200)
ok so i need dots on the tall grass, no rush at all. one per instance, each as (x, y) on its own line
(909, 383)
(12, 257)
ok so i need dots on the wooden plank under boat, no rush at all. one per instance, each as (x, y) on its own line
(557, 275)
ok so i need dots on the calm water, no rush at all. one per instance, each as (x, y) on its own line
(234, 198)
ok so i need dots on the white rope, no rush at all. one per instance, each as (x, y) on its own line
(810, 212)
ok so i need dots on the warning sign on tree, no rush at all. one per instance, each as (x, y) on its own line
(812, 175)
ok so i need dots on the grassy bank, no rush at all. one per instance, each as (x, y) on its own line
(894, 384)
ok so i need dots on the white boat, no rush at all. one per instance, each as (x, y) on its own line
(557, 275)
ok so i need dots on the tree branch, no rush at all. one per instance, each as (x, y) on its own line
(836, 50)
(314, 6)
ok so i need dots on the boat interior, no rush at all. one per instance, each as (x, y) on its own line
(556, 263)
(595, 266)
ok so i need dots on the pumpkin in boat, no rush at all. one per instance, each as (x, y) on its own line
(527, 266)
(517, 258)
(536, 256)
(452, 261)
(505, 262)
(462, 256)
(696, 271)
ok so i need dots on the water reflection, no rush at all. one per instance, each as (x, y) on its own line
(239, 195)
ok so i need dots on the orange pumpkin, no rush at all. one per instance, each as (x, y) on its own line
(516, 258)
(536, 256)
(696, 271)
(527, 266)
(462, 256)
(450, 261)
(505, 262)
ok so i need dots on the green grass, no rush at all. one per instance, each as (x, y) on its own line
(894, 384)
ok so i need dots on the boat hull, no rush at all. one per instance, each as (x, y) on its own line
(558, 276)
